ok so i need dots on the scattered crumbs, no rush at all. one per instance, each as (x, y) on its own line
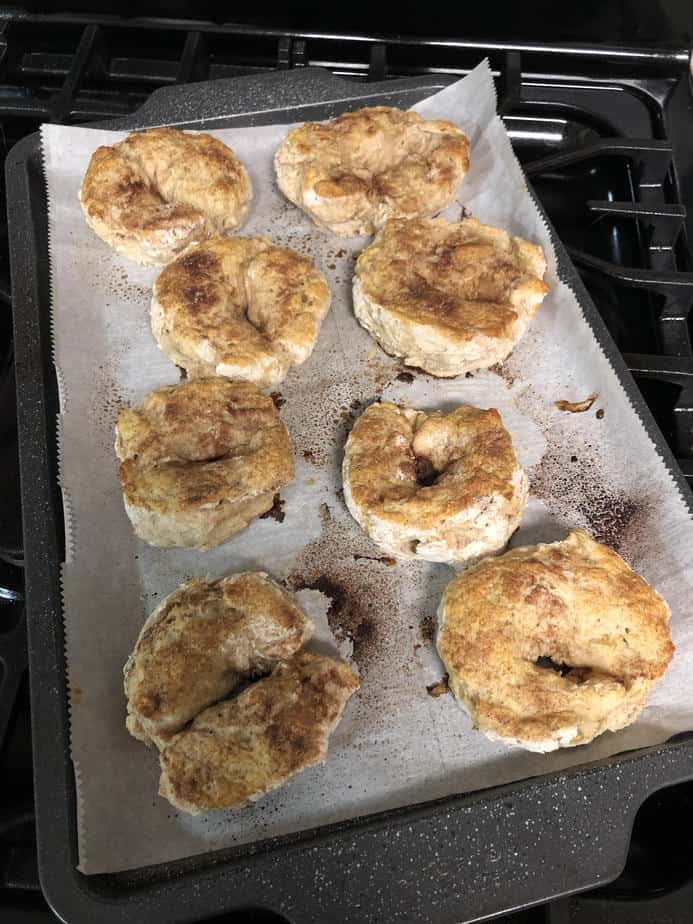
(309, 456)
(340, 253)
(427, 627)
(417, 646)
(332, 266)
(115, 281)
(279, 401)
(577, 407)
(106, 403)
(573, 458)
(340, 494)
(469, 375)
(600, 414)
(503, 371)
(276, 511)
(404, 376)
(439, 688)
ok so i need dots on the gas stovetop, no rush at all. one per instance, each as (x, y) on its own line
(606, 136)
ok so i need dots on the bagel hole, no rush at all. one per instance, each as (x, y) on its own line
(549, 664)
(426, 475)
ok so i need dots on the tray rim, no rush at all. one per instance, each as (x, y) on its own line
(71, 892)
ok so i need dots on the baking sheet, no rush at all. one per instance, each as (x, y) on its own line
(396, 744)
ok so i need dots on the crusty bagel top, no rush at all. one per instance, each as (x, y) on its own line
(462, 278)
(416, 468)
(201, 442)
(242, 304)
(201, 642)
(155, 180)
(358, 170)
(574, 602)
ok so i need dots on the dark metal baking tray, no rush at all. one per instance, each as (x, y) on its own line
(456, 859)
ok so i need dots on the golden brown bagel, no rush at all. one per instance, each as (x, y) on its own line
(442, 487)
(548, 646)
(237, 751)
(449, 297)
(200, 460)
(356, 171)
(160, 190)
(201, 642)
(239, 307)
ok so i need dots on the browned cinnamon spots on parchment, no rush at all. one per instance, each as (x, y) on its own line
(364, 591)
(577, 486)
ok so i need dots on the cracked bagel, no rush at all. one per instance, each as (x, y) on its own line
(239, 750)
(202, 642)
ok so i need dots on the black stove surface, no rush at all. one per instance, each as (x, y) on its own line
(598, 131)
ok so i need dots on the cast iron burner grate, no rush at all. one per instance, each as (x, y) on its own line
(599, 131)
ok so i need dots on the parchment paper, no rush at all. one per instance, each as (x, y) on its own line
(396, 744)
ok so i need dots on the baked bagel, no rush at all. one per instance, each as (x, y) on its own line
(442, 487)
(200, 460)
(449, 297)
(239, 307)
(356, 171)
(239, 750)
(201, 642)
(548, 646)
(158, 191)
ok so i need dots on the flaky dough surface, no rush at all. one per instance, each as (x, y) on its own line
(238, 750)
(200, 460)
(203, 641)
(548, 646)
(438, 486)
(449, 297)
(160, 190)
(356, 171)
(239, 307)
